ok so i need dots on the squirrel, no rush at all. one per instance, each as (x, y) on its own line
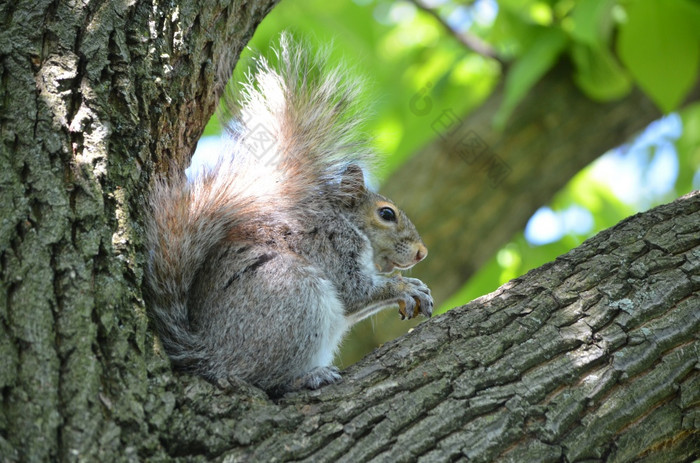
(259, 265)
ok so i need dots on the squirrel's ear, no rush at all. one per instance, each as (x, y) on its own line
(353, 182)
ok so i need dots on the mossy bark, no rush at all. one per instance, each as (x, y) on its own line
(94, 97)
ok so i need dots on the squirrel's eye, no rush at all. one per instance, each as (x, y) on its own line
(387, 213)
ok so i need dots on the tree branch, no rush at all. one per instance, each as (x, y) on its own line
(470, 41)
(593, 356)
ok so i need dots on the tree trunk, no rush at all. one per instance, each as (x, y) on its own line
(93, 95)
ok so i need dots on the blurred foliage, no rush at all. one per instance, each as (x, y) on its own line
(596, 196)
(403, 51)
(658, 46)
(397, 54)
(400, 52)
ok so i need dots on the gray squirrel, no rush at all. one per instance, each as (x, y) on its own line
(259, 265)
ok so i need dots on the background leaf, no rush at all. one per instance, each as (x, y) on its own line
(591, 21)
(529, 68)
(660, 45)
(598, 73)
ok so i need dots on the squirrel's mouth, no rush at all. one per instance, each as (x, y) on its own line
(403, 267)
(389, 266)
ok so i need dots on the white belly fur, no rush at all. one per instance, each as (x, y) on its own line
(333, 325)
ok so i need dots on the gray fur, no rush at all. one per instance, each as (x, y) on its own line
(258, 270)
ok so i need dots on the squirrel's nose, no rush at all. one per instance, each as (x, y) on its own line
(422, 252)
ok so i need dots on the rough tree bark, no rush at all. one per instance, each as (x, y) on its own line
(95, 97)
(92, 96)
(593, 357)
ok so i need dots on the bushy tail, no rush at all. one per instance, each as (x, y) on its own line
(187, 220)
(296, 122)
(293, 136)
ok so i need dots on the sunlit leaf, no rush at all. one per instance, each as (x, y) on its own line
(598, 73)
(529, 68)
(660, 45)
(511, 33)
(591, 21)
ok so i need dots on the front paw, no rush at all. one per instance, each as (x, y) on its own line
(417, 299)
(317, 377)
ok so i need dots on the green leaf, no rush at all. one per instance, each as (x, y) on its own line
(510, 33)
(591, 21)
(660, 45)
(529, 68)
(598, 73)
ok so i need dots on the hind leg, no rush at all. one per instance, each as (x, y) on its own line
(275, 322)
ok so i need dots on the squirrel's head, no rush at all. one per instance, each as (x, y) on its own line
(395, 240)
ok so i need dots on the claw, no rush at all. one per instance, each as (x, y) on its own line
(402, 310)
(416, 309)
